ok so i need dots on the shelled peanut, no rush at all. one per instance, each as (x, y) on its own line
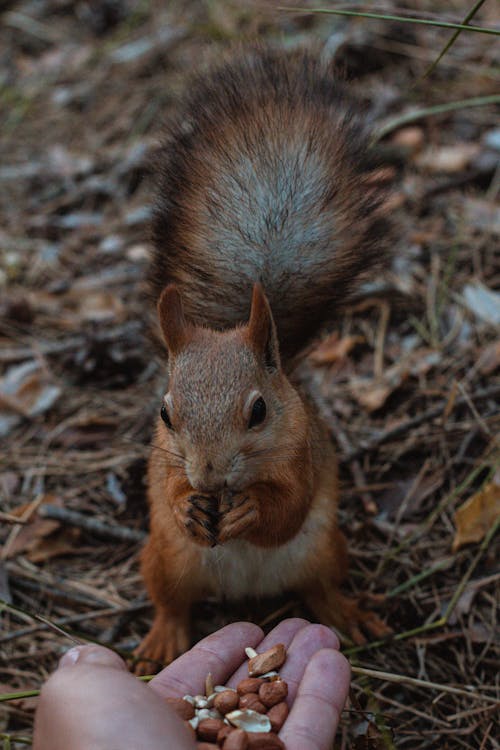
(246, 718)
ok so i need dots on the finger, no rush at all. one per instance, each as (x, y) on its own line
(93, 655)
(304, 645)
(282, 633)
(314, 717)
(94, 702)
(220, 654)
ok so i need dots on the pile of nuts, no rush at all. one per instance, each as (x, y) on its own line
(245, 718)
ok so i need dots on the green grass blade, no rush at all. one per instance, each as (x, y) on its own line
(403, 19)
(453, 38)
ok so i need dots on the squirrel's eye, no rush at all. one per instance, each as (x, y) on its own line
(165, 417)
(258, 413)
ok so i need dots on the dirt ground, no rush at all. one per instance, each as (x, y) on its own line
(408, 378)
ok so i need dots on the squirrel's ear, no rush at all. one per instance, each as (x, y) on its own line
(262, 330)
(175, 329)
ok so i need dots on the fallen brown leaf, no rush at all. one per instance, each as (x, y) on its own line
(476, 516)
(334, 348)
(447, 159)
(34, 531)
(489, 359)
(55, 545)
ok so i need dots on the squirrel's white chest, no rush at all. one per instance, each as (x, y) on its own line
(239, 568)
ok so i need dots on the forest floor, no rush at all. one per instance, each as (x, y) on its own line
(408, 380)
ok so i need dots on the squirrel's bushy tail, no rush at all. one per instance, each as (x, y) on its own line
(266, 176)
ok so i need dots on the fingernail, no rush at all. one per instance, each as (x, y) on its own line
(92, 654)
(70, 657)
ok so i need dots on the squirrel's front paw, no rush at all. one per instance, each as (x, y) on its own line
(239, 513)
(198, 515)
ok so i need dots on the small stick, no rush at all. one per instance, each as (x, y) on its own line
(30, 510)
(18, 610)
(402, 429)
(402, 679)
(9, 518)
(72, 619)
(92, 525)
(340, 436)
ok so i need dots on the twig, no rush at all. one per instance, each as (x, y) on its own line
(9, 518)
(14, 354)
(342, 439)
(404, 427)
(378, 364)
(483, 547)
(54, 589)
(442, 621)
(18, 610)
(92, 525)
(402, 679)
(71, 619)
(30, 510)
(482, 424)
(438, 109)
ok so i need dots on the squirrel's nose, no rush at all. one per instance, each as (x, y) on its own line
(206, 479)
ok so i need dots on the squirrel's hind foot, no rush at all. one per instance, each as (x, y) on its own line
(167, 639)
(334, 608)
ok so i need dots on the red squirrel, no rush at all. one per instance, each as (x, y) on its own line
(267, 215)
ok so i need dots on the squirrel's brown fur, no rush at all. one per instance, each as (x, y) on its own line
(266, 178)
(264, 186)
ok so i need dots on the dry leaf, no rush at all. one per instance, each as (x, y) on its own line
(66, 542)
(482, 302)
(98, 306)
(411, 138)
(334, 348)
(372, 394)
(477, 515)
(489, 359)
(448, 159)
(30, 535)
(27, 391)
(482, 214)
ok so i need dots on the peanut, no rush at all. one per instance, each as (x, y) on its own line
(237, 740)
(226, 701)
(249, 685)
(208, 729)
(277, 716)
(269, 660)
(182, 708)
(223, 733)
(264, 741)
(251, 701)
(271, 693)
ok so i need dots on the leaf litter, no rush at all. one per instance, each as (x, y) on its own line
(407, 379)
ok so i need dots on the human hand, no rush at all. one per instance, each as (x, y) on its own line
(95, 703)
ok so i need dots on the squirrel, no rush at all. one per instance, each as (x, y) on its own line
(267, 215)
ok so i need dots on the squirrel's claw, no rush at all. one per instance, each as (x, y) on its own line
(198, 516)
(238, 515)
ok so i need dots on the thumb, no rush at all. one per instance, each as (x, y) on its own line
(91, 655)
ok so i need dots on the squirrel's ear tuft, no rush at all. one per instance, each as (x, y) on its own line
(262, 330)
(175, 329)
